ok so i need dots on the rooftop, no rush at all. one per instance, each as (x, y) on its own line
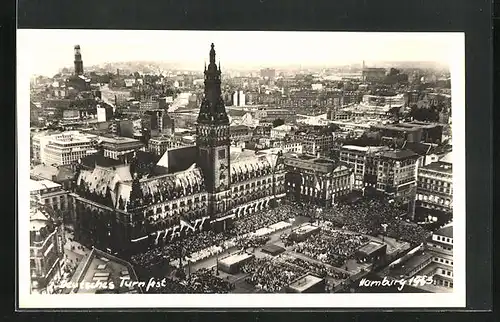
(305, 282)
(445, 231)
(105, 268)
(284, 127)
(238, 127)
(117, 139)
(236, 258)
(418, 148)
(44, 171)
(441, 149)
(305, 228)
(241, 154)
(356, 148)
(396, 127)
(371, 247)
(410, 264)
(178, 159)
(38, 219)
(440, 167)
(273, 249)
(98, 158)
(37, 185)
(398, 154)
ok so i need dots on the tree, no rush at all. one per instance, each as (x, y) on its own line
(278, 122)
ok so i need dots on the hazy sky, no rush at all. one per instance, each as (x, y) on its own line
(46, 51)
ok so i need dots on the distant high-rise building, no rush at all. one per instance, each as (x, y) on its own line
(238, 98)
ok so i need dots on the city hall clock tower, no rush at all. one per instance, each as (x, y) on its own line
(212, 141)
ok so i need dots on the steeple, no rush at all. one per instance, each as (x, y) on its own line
(212, 109)
(78, 61)
(213, 140)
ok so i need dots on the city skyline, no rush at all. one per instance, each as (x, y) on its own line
(237, 49)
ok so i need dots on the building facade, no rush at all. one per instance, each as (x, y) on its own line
(394, 173)
(282, 131)
(373, 74)
(116, 147)
(288, 146)
(46, 250)
(412, 131)
(315, 142)
(52, 195)
(240, 133)
(159, 145)
(440, 246)
(257, 181)
(268, 115)
(316, 180)
(355, 157)
(435, 186)
(64, 148)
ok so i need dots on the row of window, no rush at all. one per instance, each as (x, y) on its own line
(437, 207)
(434, 188)
(434, 199)
(435, 174)
(434, 182)
(442, 260)
(445, 272)
(444, 283)
(180, 204)
(253, 184)
(444, 239)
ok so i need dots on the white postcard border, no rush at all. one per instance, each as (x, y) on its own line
(393, 300)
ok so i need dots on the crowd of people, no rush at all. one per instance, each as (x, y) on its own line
(332, 246)
(204, 281)
(270, 276)
(208, 243)
(262, 219)
(317, 269)
(370, 216)
(334, 249)
(252, 241)
(190, 246)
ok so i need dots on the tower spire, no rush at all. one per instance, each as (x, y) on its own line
(78, 61)
(213, 141)
(212, 107)
(212, 54)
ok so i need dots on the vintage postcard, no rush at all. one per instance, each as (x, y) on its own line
(230, 169)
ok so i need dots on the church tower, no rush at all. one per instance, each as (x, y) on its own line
(212, 141)
(78, 61)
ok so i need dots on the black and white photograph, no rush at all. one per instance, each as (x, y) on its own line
(241, 169)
